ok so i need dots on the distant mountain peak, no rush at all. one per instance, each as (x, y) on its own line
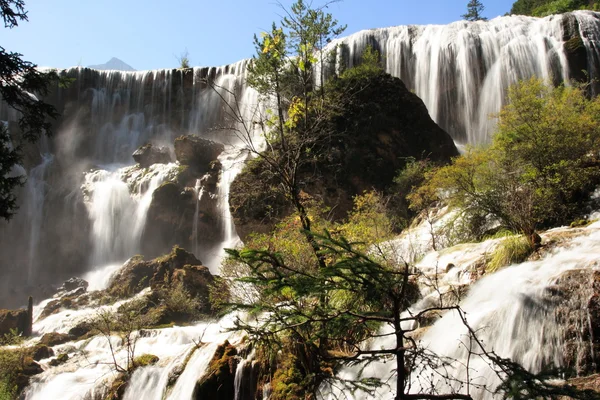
(115, 64)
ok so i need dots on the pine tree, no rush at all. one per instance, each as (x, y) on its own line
(474, 10)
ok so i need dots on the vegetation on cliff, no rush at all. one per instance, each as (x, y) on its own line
(542, 8)
(539, 172)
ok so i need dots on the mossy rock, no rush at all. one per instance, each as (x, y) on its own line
(145, 359)
(138, 274)
(41, 351)
(60, 359)
(219, 380)
(377, 124)
(117, 387)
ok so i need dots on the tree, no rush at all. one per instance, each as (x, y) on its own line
(542, 8)
(474, 11)
(20, 84)
(539, 171)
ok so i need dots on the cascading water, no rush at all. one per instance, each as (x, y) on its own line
(514, 315)
(199, 192)
(36, 191)
(461, 70)
(118, 218)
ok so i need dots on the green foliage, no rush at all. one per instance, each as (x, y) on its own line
(145, 360)
(540, 169)
(474, 10)
(8, 391)
(184, 60)
(12, 338)
(129, 318)
(179, 301)
(407, 180)
(370, 65)
(542, 8)
(12, 363)
(512, 250)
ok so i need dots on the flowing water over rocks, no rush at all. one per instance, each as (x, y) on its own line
(86, 204)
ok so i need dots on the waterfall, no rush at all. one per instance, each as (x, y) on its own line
(118, 217)
(462, 70)
(35, 190)
(199, 191)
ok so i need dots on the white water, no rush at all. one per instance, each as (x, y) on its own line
(198, 191)
(131, 108)
(512, 315)
(36, 193)
(462, 70)
(118, 205)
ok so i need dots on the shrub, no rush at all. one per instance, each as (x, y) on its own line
(540, 169)
(8, 390)
(512, 250)
(179, 301)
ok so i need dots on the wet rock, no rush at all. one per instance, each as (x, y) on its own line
(197, 152)
(577, 299)
(171, 217)
(219, 380)
(41, 351)
(74, 283)
(149, 154)
(55, 338)
(30, 367)
(61, 359)
(80, 330)
(14, 320)
(138, 274)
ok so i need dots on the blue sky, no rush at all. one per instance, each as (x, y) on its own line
(151, 34)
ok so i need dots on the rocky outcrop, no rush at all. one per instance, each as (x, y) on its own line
(196, 152)
(149, 154)
(73, 284)
(54, 339)
(376, 126)
(218, 382)
(577, 298)
(170, 219)
(179, 265)
(18, 321)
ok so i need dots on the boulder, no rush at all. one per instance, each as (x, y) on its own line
(55, 338)
(149, 154)
(74, 283)
(41, 351)
(170, 219)
(14, 320)
(80, 330)
(378, 124)
(219, 380)
(138, 274)
(577, 299)
(60, 359)
(197, 152)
